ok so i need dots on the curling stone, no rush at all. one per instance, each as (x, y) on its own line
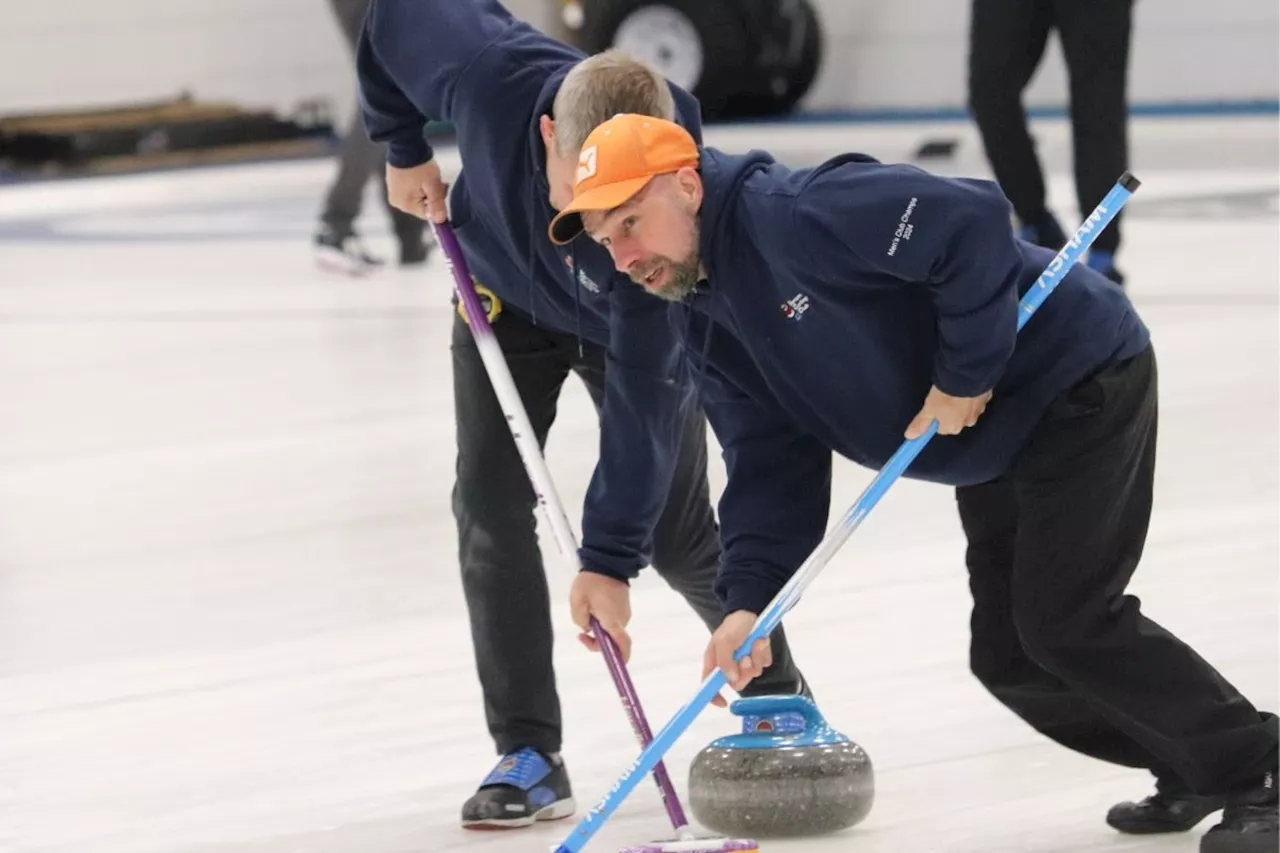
(788, 774)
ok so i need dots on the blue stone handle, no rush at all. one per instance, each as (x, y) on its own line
(770, 706)
(770, 722)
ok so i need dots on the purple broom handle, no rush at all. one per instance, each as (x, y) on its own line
(544, 489)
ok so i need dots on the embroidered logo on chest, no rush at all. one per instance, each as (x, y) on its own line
(584, 280)
(794, 307)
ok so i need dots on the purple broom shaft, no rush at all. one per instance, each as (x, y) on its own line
(631, 701)
(517, 419)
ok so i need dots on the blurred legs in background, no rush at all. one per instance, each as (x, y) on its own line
(1007, 40)
(337, 245)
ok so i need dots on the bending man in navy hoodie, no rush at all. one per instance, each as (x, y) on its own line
(829, 309)
(501, 83)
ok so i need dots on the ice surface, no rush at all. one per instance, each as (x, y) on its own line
(230, 618)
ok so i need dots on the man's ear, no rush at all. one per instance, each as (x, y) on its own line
(689, 183)
(547, 127)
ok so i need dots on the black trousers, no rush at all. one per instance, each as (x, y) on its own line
(1051, 548)
(1006, 43)
(502, 571)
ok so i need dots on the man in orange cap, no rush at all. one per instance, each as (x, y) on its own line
(828, 308)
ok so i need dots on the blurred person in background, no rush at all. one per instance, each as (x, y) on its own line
(337, 246)
(1007, 40)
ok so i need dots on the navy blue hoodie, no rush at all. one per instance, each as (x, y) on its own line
(470, 63)
(837, 297)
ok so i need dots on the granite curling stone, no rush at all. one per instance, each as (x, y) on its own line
(786, 775)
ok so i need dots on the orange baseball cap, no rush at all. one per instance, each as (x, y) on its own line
(618, 159)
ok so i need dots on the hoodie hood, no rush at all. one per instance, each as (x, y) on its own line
(722, 180)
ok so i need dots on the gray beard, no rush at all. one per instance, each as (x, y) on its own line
(683, 280)
(684, 274)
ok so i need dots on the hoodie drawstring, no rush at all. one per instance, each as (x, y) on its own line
(706, 344)
(577, 300)
(683, 367)
(532, 192)
(534, 236)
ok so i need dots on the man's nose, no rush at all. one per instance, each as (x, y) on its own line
(624, 255)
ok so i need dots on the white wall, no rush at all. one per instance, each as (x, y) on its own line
(58, 54)
(275, 53)
(72, 53)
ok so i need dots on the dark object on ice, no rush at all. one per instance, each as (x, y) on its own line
(741, 58)
(178, 132)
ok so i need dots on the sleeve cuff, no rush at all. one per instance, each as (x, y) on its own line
(409, 151)
(955, 385)
(748, 596)
(608, 565)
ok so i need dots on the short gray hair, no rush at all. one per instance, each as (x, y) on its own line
(601, 86)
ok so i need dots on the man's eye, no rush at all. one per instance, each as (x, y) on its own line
(628, 223)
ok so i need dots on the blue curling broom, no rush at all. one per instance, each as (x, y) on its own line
(790, 594)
